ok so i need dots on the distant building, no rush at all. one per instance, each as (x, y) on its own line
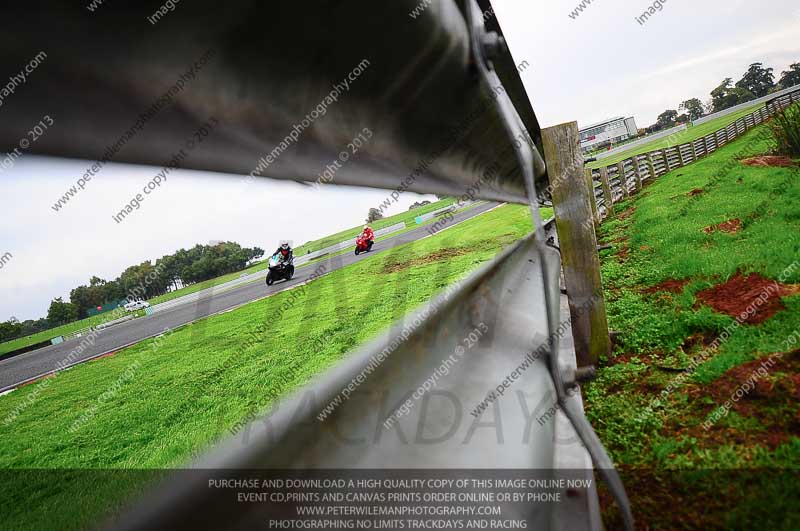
(608, 133)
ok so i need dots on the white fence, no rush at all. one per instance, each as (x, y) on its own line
(430, 215)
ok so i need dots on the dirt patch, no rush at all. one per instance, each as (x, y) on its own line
(765, 390)
(670, 285)
(752, 299)
(437, 256)
(732, 226)
(622, 216)
(696, 191)
(780, 381)
(769, 161)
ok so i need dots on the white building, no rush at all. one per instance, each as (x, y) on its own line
(608, 133)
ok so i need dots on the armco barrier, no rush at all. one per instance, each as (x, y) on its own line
(430, 215)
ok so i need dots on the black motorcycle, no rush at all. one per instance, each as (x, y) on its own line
(279, 269)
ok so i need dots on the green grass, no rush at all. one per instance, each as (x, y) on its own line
(661, 238)
(683, 137)
(179, 400)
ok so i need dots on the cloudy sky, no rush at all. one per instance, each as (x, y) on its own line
(598, 65)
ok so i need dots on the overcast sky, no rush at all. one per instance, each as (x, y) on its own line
(599, 65)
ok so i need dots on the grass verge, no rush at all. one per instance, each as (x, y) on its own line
(714, 227)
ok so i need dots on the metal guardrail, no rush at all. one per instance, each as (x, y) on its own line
(430, 142)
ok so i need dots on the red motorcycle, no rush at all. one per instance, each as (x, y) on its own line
(363, 244)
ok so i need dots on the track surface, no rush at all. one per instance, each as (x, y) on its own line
(32, 365)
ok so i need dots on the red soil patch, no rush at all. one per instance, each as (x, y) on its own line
(671, 286)
(758, 294)
(645, 248)
(770, 389)
(437, 256)
(769, 161)
(626, 214)
(696, 191)
(763, 387)
(732, 226)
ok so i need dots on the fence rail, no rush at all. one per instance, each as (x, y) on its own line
(616, 182)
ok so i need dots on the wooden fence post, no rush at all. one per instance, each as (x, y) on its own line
(652, 165)
(636, 174)
(607, 195)
(578, 243)
(592, 199)
(623, 182)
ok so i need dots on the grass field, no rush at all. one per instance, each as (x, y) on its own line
(692, 133)
(407, 217)
(648, 406)
(174, 399)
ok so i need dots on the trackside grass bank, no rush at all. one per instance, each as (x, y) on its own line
(698, 403)
(153, 405)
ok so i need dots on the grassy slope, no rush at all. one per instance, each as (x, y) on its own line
(46, 335)
(177, 403)
(661, 240)
(692, 133)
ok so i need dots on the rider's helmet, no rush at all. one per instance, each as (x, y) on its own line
(285, 245)
(366, 227)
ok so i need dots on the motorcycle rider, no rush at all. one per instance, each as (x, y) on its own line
(368, 235)
(284, 252)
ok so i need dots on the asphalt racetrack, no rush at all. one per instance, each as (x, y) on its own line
(32, 365)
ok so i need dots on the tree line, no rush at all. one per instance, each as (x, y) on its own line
(145, 281)
(757, 82)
